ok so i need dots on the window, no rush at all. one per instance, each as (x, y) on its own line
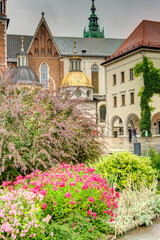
(114, 79)
(122, 77)
(49, 51)
(78, 93)
(43, 51)
(44, 75)
(102, 113)
(36, 51)
(115, 101)
(49, 44)
(123, 100)
(1, 7)
(88, 93)
(42, 30)
(19, 62)
(132, 97)
(22, 61)
(95, 78)
(131, 74)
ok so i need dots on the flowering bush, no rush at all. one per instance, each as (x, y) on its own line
(40, 128)
(76, 203)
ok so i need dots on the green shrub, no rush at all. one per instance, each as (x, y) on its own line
(125, 168)
(155, 159)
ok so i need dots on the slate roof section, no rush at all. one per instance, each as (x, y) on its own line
(14, 43)
(91, 47)
(94, 47)
(147, 34)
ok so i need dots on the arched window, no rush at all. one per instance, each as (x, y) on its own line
(88, 93)
(44, 75)
(94, 77)
(102, 113)
(49, 44)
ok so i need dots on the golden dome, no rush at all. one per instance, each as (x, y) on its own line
(76, 79)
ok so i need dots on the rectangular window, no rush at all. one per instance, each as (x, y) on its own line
(115, 101)
(1, 7)
(122, 77)
(132, 97)
(131, 74)
(114, 79)
(123, 100)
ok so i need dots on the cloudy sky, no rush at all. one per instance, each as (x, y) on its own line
(68, 17)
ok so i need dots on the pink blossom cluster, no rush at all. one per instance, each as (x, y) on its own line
(18, 213)
(76, 186)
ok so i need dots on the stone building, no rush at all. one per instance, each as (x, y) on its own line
(49, 57)
(122, 88)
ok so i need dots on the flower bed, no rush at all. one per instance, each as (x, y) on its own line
(66, 202)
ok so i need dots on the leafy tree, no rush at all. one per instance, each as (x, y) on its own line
(151, 80)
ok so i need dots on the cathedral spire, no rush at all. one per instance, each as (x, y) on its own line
(94, 28)
(93, 9)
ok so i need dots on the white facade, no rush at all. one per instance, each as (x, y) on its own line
(123, 101)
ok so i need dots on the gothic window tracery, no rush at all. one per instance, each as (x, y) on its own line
(44, 75)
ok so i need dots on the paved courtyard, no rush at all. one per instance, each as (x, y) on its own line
(151, 232)
(121, 144)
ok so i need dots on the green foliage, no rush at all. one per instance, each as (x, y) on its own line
(155, 159)
(125, 168)
(151, 79)
(63, 229)
(136, 207)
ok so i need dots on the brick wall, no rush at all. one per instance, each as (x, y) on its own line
(2, 42)
(42, 50)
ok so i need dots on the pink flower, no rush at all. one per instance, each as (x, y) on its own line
(72, 202)
(68, 194)
(112, 220)
(85, 186)
(62, 184)
(25, 186)
(72, 184)
(91, 229)
(43, 192)
(91, 199)
(44, 206)
(89, 212)
(94, 214)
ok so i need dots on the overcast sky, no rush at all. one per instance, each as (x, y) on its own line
(68, 17)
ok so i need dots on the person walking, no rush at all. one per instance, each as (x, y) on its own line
(146, 134)
(135, 134)
(130, 134)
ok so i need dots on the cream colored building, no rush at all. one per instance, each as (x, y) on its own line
(122, 88)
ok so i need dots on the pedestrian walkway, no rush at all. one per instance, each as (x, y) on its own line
(151, 232)
(120, 144)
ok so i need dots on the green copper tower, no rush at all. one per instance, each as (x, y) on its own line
(94, 28)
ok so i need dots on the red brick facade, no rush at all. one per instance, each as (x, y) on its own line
(3, 25)
(43, 50)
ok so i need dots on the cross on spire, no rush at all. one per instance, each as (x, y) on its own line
(42, 14)
(22, 47)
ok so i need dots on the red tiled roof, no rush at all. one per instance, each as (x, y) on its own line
(146, 34)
